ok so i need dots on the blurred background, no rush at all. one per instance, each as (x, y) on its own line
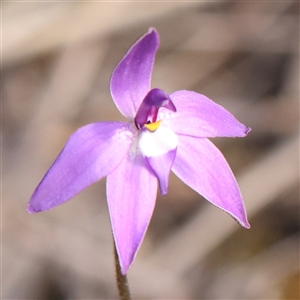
(57, 58)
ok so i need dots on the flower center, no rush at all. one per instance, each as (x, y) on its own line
(152, 126)
(146, 116)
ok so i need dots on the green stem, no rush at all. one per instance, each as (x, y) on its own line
(123, 287)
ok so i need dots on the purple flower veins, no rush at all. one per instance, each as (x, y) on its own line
(163, 133)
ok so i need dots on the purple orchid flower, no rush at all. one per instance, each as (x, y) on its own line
(163, 133)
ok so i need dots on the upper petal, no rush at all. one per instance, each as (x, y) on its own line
(202, 166)
(199, 116)
(131, 194)
(130, 81)
(92, 152)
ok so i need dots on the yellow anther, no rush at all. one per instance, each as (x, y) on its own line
(153, 126)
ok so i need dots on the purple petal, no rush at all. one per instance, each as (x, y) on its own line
(202, 166)
(161, 165)
(131, 193)
(130, 81)
(199, 116)
(91, 153)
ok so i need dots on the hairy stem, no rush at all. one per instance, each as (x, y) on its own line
(123, 287)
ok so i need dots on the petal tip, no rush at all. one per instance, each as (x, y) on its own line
(247, 130)
(124, 270)
(124, 263)
(163, 192)
(246, 225)
(32, 210)
(152, 29)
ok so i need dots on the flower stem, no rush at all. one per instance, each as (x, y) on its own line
(123, 287)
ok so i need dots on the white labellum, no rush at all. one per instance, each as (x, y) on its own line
(157, 143)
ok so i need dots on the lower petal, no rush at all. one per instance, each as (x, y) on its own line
(159, 148)
(161, 165)
(131, 194)
(202, 166)
(91, 153)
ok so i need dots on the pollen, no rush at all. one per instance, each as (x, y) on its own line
(153, 126)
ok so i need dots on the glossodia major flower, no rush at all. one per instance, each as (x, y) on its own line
(164, 133)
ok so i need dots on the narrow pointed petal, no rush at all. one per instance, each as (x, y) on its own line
(161, 166)
(91, 153)
(199, 116)
(202, 166)
(131, 193)
(130, 81)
